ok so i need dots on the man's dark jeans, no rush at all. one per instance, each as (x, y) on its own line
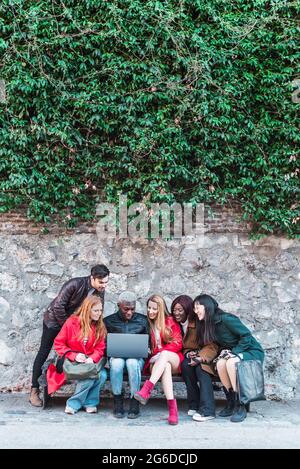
(47, 340)
(199, 386)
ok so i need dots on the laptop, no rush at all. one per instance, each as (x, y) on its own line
(127, 345)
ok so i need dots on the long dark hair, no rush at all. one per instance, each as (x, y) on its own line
(186, 302)
(205, 329)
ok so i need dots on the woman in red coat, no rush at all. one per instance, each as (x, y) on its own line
(84, 333)
(166, 354)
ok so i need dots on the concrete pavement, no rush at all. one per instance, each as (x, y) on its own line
(269, 425)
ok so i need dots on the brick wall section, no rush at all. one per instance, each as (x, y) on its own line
(217, 219)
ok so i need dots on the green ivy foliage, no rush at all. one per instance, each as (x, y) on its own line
(170, 100)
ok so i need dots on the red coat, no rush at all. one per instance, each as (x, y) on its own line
(174, 346)
(68, 339)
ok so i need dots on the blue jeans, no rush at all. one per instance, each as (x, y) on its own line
(134, 369)
(87, 392)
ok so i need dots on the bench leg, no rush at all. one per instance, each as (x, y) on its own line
(247, 407)
(46, 397)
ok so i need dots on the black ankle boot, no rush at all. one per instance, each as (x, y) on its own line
(239, 412)
(134, 409)
(228, 410)
(118, 406)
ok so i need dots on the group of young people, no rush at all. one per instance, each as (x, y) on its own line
(195, 339)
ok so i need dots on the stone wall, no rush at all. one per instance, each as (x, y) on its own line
(258, 281)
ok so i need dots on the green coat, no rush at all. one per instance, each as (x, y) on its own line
(231, 333)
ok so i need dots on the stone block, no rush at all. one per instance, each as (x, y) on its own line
(7, 354)
(271, 339)
(4, 308)
(32, 340)
(117, 283)
(288, 292)
(56, 270)
(8, 282)
(39, 283)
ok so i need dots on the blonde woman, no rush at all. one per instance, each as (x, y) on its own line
(166, 354)
(84, 333)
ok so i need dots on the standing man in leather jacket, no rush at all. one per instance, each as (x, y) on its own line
(126, 321)
(70, 297)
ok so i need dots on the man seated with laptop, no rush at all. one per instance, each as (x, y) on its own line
(127, 346)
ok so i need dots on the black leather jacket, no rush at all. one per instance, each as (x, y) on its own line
(70, 297)
(138, 324)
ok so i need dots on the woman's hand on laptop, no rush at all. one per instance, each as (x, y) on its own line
(89, 360)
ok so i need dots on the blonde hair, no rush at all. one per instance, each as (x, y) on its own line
(160, 321)
(84, 314)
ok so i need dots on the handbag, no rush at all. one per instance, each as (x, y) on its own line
(250, 381)
(79, 371)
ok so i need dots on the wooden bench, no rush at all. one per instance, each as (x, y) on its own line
(47, 398)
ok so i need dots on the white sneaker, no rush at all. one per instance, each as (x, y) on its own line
(192, 412)
(70, 410)
(202, 418)
(91, 410)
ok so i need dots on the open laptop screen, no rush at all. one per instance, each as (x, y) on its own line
(127, 345)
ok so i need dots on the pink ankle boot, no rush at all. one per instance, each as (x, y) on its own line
(173, 412)
(143, 395)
